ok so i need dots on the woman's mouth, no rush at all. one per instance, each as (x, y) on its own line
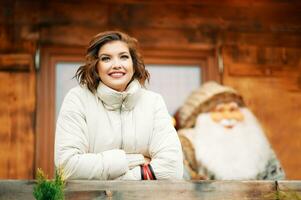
(116, 74)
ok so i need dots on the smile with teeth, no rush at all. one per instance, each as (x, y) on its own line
(116, 74)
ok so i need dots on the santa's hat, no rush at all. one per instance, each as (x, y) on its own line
(203, 100)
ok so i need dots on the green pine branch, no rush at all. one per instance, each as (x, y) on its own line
(46, 189)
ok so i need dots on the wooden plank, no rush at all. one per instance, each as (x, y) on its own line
(207, 2)
(290, 186)
(14, 189)
(5, 38)
(244, 69)
(75, 35)
(262, 39)
(56, 13)
(207, 190)
(17, 138)
(253, 61)
(279, 12)
(247, 23)
(267, 25)
(22, 115)
(5, 124)
(16, 62)
(227, 17)
(148, 37)
(251, 54)
(180, 37)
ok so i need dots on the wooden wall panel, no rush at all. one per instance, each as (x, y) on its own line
(17, 125)
(5, 124)
(201, 22)
(275, 98)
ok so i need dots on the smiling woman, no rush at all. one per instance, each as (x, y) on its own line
(115, 65)
(110, 127)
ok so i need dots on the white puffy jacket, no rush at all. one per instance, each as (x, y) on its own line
(106, 135)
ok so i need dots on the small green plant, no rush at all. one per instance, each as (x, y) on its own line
(46, 189)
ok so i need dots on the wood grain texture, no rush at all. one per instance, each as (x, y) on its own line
(5, 124)
(201, 22)
(16, 62)
(276, 100)
(17, 137)
(207, 190)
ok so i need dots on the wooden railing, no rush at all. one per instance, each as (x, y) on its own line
(144, 190)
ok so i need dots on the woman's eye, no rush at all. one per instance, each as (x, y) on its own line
(124, 57)
(105, 59)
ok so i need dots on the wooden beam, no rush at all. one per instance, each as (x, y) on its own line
(16, 62)
(190, 190)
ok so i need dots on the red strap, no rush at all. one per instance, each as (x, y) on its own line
(149, 172)
(146, 172)
(146, 176)
(152, 172)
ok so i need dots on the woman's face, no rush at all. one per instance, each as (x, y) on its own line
(115, 66)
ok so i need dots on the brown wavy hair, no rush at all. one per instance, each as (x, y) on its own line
(87, 73)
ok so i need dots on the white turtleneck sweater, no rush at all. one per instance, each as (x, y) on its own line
(106, 135)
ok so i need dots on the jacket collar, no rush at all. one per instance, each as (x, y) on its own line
(114, 100)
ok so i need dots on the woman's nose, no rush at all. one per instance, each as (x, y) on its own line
(116, 64)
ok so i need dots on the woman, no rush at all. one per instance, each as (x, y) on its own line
(109, 126)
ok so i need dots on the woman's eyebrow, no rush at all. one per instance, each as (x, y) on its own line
(103, 54)
(124, 52)
(106, 54)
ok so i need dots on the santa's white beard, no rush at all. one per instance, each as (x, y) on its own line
(234, 153)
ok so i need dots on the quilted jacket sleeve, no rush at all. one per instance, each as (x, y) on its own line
(165, 148)
(71, 146)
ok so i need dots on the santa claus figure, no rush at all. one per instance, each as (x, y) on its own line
(222, 139)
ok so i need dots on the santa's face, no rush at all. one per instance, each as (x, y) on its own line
(240, 152)
(227, 114)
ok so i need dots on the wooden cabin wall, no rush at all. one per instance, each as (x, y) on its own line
(259, 43)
